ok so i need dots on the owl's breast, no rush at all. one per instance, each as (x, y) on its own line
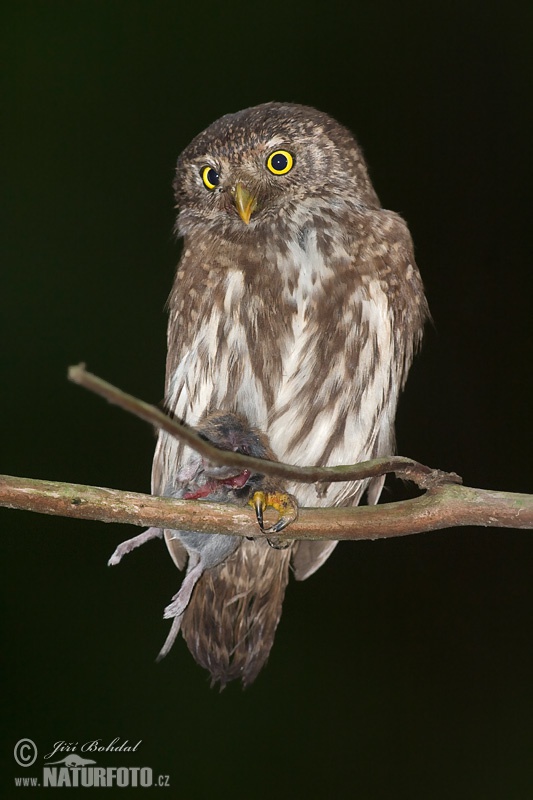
(296, 342)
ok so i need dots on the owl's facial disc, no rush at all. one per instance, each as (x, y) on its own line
(245, 202)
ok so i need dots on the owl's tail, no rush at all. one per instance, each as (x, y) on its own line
(230, 622)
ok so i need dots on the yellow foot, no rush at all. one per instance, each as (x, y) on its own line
(286, 506)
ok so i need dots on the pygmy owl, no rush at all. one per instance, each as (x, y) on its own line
(298, 304)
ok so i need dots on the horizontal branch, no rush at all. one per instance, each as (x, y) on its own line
(407, 468)
(444, 506)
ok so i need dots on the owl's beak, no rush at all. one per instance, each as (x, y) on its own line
(245, 202)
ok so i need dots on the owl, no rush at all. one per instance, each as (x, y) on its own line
(297, 304)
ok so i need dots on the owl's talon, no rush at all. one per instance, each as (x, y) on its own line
(278, 544)
(284, 503)
(258, 502)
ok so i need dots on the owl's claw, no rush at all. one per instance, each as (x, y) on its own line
(284, 504)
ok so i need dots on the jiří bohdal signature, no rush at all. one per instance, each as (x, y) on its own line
(93, 746)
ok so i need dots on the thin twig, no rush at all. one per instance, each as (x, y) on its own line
(407, 468)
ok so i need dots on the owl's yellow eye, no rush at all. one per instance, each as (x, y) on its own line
(210, 177)
(280, 162)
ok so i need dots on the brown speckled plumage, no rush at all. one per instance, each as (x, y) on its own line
(305, 320)
(232, 617)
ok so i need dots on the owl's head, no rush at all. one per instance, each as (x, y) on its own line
(253, 167)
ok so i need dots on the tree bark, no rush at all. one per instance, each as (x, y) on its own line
(445, 506)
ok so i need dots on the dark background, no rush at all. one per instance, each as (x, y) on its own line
(403, 669)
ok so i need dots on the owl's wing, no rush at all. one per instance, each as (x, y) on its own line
(165, 465)
(384, 317)
(309, 556)
(176, 549)
(159, 481)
